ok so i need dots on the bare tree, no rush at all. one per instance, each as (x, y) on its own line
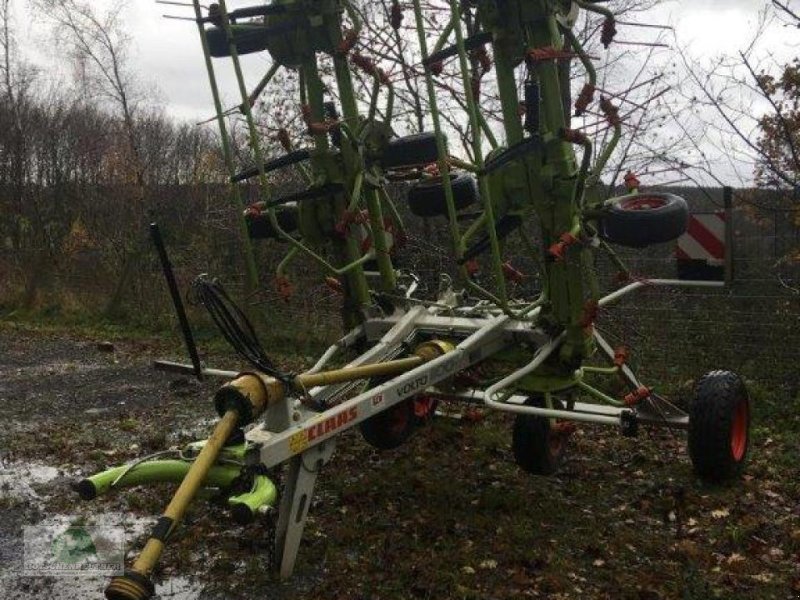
(100, 46)
(734, 100)
(742, 121)
(629, 74)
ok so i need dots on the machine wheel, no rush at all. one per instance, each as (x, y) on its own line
(538, 448)
(391, 428)
(719, 426)
(248, 38)
(410, 150)
(645, 219)
(260, 227)
(427, 198)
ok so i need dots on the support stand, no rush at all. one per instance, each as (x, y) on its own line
(296, 500)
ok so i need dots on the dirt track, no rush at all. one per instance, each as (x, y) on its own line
(447, 516)
(70, 405)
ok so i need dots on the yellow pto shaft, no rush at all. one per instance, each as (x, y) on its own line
(241, 402)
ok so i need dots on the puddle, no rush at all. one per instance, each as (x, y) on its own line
(179, 588)
(17, 479)
(13, 584)
(27, 485)
(70, 588)
(30, 484)
(200, 430)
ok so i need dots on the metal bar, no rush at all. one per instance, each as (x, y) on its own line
(581, 410)
(550, 413)
(392, 367)
(477, 150)
(174, 367)
(444, 168)
(653, 419)
(598, 394)
(275, 449)
(614, 296)
(538, 359)
(727, 196)
(626, 371)
(227, 153)
(177, 302)
(345, 342)
(263, 83)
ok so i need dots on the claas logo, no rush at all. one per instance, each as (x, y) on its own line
(333, 423)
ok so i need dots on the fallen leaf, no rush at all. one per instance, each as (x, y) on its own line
(720, 513)
(735, 558)
(776, 552)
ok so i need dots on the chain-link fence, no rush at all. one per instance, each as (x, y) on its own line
(753, 326)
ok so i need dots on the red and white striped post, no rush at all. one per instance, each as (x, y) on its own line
(705, 251)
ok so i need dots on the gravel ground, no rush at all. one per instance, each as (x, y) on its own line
(445, 516)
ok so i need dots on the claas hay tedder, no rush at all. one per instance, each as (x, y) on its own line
(403, 350)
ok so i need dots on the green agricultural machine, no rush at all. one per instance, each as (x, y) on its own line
(402, 352)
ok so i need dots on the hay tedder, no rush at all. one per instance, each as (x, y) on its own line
(476, 341)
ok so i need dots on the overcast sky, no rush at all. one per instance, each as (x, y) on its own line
(168, 61)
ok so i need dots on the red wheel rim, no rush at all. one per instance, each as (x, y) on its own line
(739, 431)
(643, 203)
(555, 442)
(423, 406)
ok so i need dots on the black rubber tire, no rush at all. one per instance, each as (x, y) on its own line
(249, 39)
(391, 428)
(259, 227)
(427, 198)
(645, 219)
(719, 426)
(537, 449)
(417, 149)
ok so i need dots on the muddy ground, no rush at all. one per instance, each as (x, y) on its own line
(446, 516)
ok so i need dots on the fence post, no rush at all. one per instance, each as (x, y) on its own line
(727, 196)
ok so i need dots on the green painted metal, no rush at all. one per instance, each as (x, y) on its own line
(308, 27)
(249, 257)
(263, 491)
(599, 395)
(477, 149)
(548, 182)
(159, 471)
(544, 180)
(355, 164)
(540, 178)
